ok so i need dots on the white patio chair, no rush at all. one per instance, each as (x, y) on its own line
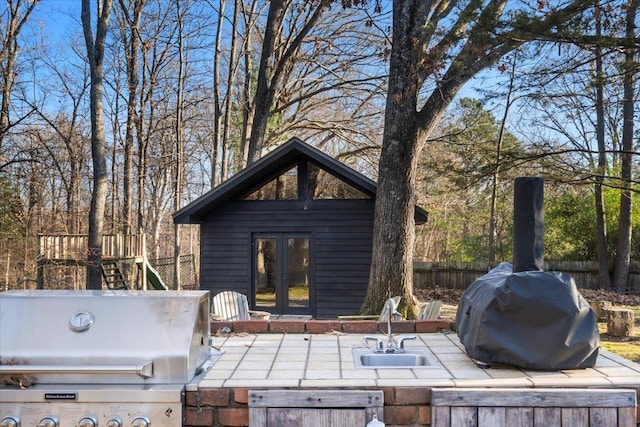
(384, 314)
(430, 311)
(231, 305)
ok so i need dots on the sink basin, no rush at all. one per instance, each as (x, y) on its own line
(411, 358)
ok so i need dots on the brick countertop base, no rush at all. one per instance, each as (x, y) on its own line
(228, 407)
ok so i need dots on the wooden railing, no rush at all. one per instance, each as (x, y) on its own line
(76, 246)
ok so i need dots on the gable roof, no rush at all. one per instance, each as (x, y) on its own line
(267, 168)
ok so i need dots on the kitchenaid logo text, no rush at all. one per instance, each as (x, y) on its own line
(60, 396)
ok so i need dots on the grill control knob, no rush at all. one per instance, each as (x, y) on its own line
(114, 422)
(87, 422)
(10, 422)
(49, 422)
(141, 422)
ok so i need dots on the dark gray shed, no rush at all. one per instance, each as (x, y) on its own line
(293, 232)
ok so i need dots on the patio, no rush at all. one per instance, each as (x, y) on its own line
(252, 364)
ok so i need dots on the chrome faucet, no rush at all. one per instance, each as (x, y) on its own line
(391, 347)
(393, 311)
(379, 343)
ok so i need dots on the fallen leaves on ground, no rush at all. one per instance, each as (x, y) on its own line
(613, 297)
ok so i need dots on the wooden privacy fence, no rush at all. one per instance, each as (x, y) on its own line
(459, 275)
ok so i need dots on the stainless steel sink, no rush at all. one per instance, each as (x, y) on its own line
(411, 358)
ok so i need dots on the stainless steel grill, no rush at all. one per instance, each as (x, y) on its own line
(100, 358)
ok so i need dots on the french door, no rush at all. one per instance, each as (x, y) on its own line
(282, 274)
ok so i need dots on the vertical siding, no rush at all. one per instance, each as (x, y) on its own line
(342, 231)
(224, 251)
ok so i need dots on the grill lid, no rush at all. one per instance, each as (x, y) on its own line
(116, 337)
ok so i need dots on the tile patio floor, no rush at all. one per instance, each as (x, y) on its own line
(325, 360)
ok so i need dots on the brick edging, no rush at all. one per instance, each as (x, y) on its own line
(327, 326)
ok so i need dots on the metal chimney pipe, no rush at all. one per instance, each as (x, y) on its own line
(528, 224)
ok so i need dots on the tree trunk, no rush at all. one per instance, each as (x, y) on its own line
(224, 165)
(393, 228)
(623, 244)
(601, 218)
(495, 178)
(132, 51)
(265, 89)
(247, 101)
(600, 308)
(95, 53)
(247, 113)
(179, 159)
(114, 216)
(143, 144)
(620, 322)
(405, 132)
(217, 107)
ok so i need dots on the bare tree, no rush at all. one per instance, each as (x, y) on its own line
(495, 175)
(333, 95)
(587, 86)
(217, 102)
(14, 18)
(248, 107)
(153, 119)
(169, 114)
(178, 178)
(228, 104)
(272, 68)
(68, 83)
(130, 14)
(630, 69)
(226, 49)
(431, 42)
(601, 222)
(95, 54)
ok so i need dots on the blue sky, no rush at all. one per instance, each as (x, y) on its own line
(59, 20)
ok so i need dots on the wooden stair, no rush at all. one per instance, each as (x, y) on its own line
(113, 276)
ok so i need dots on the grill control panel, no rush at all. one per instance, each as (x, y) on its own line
(160, 414)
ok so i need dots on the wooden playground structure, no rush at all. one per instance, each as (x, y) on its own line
(120, 253)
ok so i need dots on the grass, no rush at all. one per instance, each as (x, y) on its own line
(298, 294)
(628, 350)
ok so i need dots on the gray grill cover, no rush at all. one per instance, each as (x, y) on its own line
(529, 319)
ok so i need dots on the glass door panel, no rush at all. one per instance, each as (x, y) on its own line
(282, 279)
(266, 271)
(297, 272)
